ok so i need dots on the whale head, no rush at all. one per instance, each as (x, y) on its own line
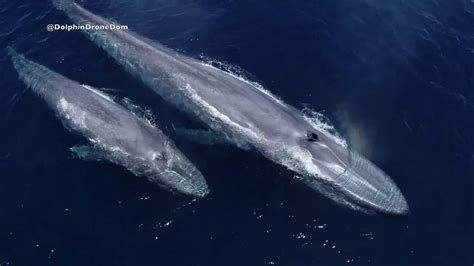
(175, 172)
(343, 175)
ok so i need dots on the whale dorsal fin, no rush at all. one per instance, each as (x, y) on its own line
(89, 153)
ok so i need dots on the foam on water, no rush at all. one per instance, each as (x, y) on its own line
(141, 112)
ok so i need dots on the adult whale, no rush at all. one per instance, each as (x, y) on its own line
(248, 116)
(116, 133)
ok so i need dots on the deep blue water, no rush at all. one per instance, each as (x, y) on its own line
(396, 78)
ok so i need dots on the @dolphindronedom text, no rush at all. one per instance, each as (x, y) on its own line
(70, 27)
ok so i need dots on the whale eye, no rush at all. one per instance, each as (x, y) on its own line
(312, 137)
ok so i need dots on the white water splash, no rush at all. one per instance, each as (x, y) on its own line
(141, 112)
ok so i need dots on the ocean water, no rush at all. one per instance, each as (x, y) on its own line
(396, 78)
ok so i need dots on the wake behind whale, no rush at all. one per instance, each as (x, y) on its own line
(115, 133)
(249, 116)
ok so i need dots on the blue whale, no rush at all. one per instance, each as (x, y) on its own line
(248, 116)
(114, 132)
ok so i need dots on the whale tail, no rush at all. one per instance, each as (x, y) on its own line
(63, 5)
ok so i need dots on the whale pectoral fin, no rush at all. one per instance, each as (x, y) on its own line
(88, 153)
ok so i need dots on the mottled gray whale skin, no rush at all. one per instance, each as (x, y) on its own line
(249, 116)
(116, 133)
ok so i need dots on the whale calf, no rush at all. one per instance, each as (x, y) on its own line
(115, 133)
(248, 116)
